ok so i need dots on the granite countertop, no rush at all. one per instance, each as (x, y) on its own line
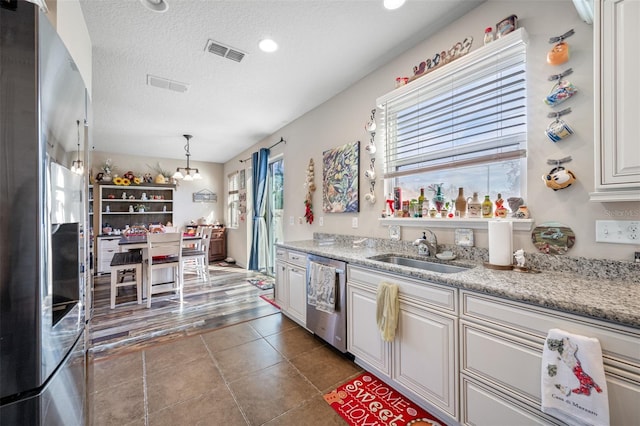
(610, 299)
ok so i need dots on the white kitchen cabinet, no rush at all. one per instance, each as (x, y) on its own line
(617, 64)
(363, 337)
(422, 361)
(297, 293)
(484, 407)
(501, 356)
(291, 284)
(424, 355)
(107, 247)
(281, 289)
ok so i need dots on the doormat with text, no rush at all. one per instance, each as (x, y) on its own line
(367, 400)
(262, 284)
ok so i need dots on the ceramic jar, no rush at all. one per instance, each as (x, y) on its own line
(474, 206)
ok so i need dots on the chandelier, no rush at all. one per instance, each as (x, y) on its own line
(77, 166)
(187, 176)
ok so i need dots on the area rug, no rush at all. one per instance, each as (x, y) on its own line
(262, 283)
(269, 299)
(367, 400)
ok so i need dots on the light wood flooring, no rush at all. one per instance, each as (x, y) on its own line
(226, 298)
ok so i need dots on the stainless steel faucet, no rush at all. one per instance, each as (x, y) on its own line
(427, 246)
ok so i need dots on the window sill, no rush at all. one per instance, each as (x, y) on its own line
(452, 223)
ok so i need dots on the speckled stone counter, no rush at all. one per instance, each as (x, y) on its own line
(604, 290)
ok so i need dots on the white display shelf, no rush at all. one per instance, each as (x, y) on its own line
(120, 200)
(452, 223)
(134, 213)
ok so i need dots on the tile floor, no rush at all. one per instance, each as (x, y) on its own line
(266, 371)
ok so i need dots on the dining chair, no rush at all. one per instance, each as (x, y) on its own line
(121, 264)
(197, 258)
(164, 251)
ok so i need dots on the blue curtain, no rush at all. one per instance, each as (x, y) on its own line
(259, 241)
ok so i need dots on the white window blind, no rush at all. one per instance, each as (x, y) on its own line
(471, 111)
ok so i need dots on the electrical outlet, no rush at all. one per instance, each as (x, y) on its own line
(321, 221)
(618, 231)
(291, 220)
(354, 222)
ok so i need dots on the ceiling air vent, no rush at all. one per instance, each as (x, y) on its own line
(165, 83)
(224, 51)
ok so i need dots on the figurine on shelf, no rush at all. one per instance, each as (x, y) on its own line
(519, 256)
(514, 204)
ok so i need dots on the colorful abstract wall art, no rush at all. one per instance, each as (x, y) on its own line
(340, 179)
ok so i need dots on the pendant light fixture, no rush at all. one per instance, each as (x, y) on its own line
(187, 176)
(77, 166)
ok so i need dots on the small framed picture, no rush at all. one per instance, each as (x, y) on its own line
(242, 183)
(394, 232)
(464, 237)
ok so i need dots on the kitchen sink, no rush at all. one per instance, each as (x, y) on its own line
(428, 265)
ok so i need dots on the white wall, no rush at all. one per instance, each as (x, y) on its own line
(342, 119)
(185, 209)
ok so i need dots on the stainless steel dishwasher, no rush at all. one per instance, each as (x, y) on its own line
(331, 327)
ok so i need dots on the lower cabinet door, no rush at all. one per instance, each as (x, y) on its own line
(483, 407)
(363, 337)
(281, 287)
(297, 278)
(624, 397)
(424, 356)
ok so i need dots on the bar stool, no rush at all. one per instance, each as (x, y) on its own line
(120, 263)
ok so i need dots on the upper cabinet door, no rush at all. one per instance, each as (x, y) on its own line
(617, 100)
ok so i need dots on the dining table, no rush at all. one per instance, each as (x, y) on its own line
(139, 241)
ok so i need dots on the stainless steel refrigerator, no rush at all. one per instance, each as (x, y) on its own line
(42, 219)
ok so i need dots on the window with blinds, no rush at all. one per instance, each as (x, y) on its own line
(233, 200)
(464, 124)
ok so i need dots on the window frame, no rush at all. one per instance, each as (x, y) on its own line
(233, 200)
(510, 46)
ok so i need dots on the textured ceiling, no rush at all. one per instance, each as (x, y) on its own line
(325, 46)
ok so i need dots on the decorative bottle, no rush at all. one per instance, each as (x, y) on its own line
(461, 204)
(488, 35)
(501, 211)
(420, 202)
(487, 208)
(475, 206)
(438, 199)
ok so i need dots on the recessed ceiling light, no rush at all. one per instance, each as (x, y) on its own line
(268, 45)
(159, 6)
(393, 4)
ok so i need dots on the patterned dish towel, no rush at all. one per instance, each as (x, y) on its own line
(387, 310)
(574, 389)
(321, 290)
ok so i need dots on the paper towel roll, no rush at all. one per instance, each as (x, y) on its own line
(500, 242)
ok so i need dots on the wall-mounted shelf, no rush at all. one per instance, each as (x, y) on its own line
(452, 223)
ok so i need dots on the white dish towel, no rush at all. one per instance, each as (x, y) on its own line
(574, 389)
